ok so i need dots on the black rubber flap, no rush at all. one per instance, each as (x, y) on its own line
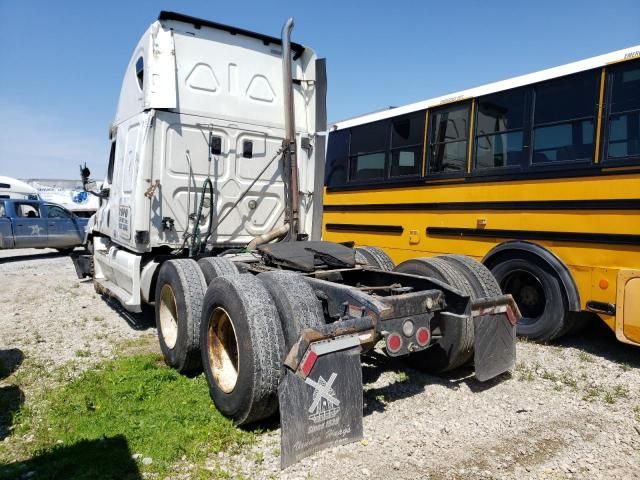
(306, 255)
(324, 410)
(494, 344)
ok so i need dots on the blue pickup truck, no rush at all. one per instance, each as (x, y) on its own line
(38, 224)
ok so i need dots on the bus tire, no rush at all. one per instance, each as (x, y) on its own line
(539, 294)
(374, 257)
(214, 267)
(480, 277)
(242, 348)
(455, 347)
(180, 288)
(297, 304)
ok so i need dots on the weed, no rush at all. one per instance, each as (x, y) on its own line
(591, 393)
(585, 357)
(636, 412)
(380, 398)
(98, 318)
(83, 353)
(525, 373)
(259, 457)
(276, 452)
(609, 397)
(568, 380)
(620, 391)
(401, 376)
(625, 366)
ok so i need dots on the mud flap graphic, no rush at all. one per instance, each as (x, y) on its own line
(323, 410)
(325, 405)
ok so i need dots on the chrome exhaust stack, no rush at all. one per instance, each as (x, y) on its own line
(290, 129)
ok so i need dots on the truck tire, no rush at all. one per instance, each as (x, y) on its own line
(374, 257)
(242, 348)
(539, 294)
(480, 277)
(455, 346)
(214, 267)
(297, 304)
(179, 292)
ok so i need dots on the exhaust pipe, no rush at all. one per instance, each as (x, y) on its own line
(290, 128)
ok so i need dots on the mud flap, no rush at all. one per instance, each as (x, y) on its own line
(82, 264)
(494, 324)
(320, 405)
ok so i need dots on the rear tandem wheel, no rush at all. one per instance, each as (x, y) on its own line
(242, 348)
(454, 348)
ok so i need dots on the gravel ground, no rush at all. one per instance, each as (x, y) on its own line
(570, 410)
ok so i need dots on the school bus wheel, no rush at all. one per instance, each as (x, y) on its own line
(539, 293)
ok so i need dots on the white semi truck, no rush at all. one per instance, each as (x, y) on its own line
(211, 213)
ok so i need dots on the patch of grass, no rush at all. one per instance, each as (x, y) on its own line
(525, 373)
(585, 357)
(625, 366)
(620, 391)
(91, 427)
(83, 353)
(547, 375)
(591, 393)
(568, 380)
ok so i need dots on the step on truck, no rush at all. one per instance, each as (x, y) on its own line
(211, 213)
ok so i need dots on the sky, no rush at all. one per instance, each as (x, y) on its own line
(61, 63)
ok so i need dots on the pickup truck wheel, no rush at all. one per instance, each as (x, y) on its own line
(374, 257)
(296, 303)
(179, 292)
(213, 267)
(454, 348)
(242, 348)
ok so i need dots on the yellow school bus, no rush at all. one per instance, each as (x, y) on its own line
(537, 176)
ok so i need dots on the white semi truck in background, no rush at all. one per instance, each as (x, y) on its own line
(211, 214)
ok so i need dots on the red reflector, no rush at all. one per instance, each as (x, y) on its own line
(422, 336)
(309, 362)
(394, 342)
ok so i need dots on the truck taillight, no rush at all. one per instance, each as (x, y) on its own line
(423, 336)
(394, 342)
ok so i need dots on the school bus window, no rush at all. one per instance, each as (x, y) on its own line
(448, 139)
(337, 155)
(624, 118)
(564, 118)
(499, 130)
(407, 135)
(367, 152)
